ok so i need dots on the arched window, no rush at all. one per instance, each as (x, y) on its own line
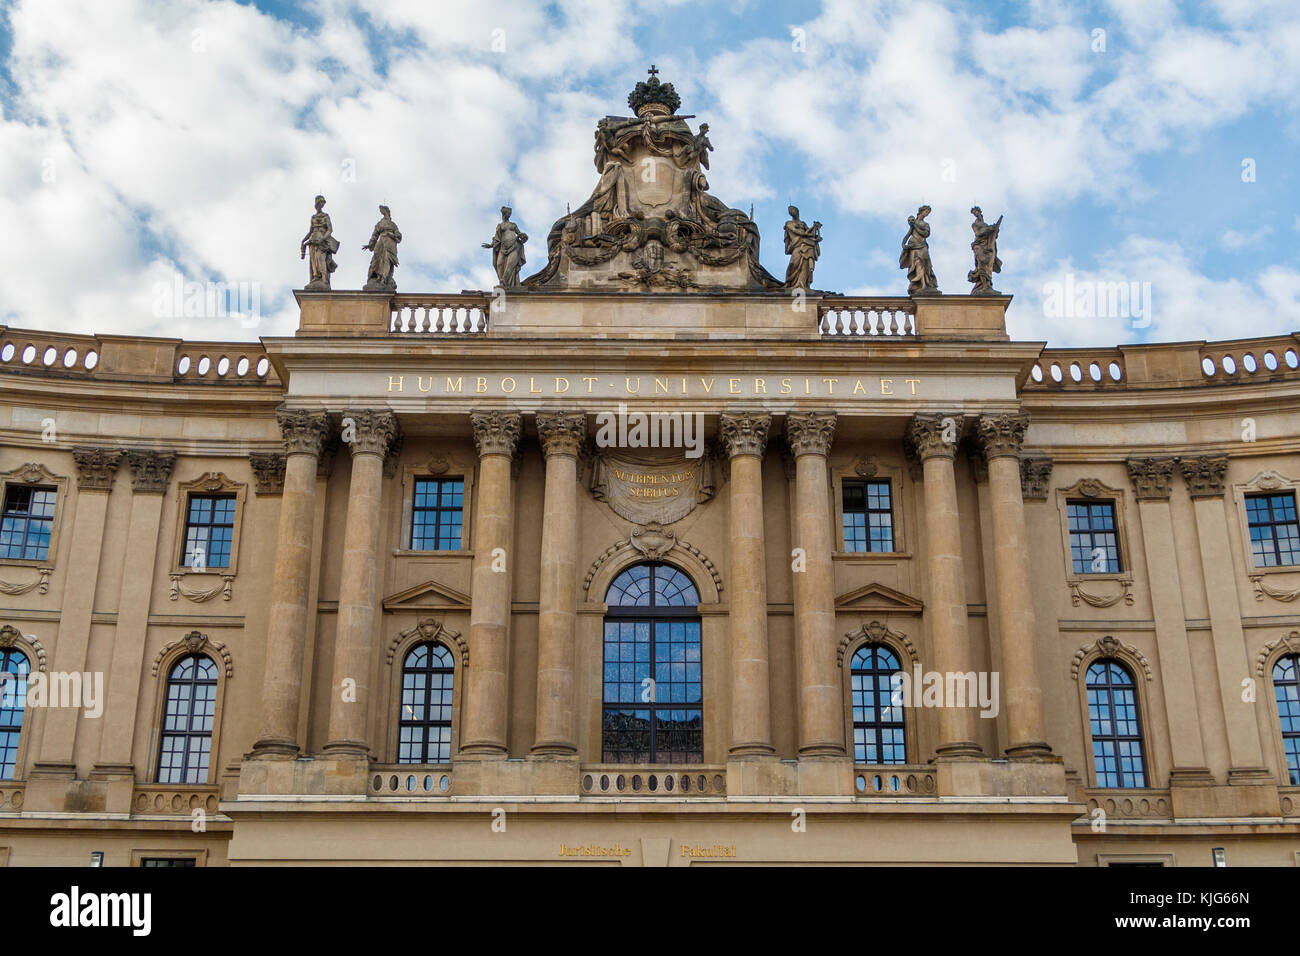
(1286, 685)
(186, 744)
(14, 668)
(424, 727)
(877, 720)
(653, 688)
(1116, 728)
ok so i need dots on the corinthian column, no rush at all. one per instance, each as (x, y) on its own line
(370, 435)
(1000, 438)
(821, 709)
(561, 436)
(745, 438)
(286, 629)
(934, 439)
(496, 436)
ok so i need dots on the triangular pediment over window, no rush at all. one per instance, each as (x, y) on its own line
(877, 597)
(430, 594)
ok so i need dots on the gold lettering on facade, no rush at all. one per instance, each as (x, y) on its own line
(886, 386)
(661, 384)
(455, 385)
(627, 386)
(632, 385)
(400, 379)
(419, 383)
(481, 385)
(913, 382)
(513, 385)
(760, 386)
(591, 381)
(858, 389)
(558, 380)
(830, 385)
(785, 386)
(532, 386)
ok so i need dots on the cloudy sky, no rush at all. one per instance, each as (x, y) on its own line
(1135, 141)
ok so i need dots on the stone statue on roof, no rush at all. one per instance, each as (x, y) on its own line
(650, 221)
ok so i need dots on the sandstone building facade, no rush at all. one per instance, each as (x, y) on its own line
(384, 592)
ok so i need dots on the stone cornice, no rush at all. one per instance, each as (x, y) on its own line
(96, 466)
(496, 433)
(150, 470)
(1152, 477)
(368, 431)
(1001, 435)
(744, 433)
(304, 431)
(810, 433)
(561, 433)
(1205, 475)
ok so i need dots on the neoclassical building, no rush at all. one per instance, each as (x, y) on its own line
(621, 563)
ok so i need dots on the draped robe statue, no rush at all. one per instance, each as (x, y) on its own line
(507, 247)
(383, 259)
(915, 257)
(803, 245)
(322, 245)
(985, 248)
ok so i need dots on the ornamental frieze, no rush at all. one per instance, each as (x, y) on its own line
(150, 470)
(1152, 477)
(1205, 475)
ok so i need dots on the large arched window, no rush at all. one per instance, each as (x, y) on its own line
(1286, 685)
(14, 668)
(1116, 727)
(186, 746)
(424, 726)
(877, 719)
(653, 688)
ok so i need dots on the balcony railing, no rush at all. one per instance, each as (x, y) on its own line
(1175, 365)
(892, 317)
(160, 799)
(1129, 804)
(465, 314)
(894, 780)
(410, 780)
(667, 780)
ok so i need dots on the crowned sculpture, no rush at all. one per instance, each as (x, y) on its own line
(650, 223)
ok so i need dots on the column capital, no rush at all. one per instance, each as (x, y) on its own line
(96, 466)
(496, 433)
(562, 433)
(150, 470)
(810, 433)
(744, 433)
(268, 472)
(1001, 435)
(304, 430)
(933, 436)
(368, 431)
(1152, 477)
(1035, 476)
(1205, 475)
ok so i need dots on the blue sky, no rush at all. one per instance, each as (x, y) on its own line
(140, 142)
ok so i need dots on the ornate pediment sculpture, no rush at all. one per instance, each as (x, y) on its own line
(651, 223)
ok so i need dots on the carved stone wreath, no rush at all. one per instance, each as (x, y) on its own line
(1291, 643)
(196, 642)
(431, 630)
(655, 544)
(1109, 647)
(11, 637)
(874, 633)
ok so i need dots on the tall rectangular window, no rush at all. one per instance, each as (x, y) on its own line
(1094, 540)
(209, 529)
(868, 516)
(1274, 533)
(27, 522)
(437, 514)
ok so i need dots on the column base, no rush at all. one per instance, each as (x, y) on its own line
(116, 782)
(825, 776)
(961, 748)
(484, 751)
(1032, 750)
(275, 748)
(551, 748)
(743, 751)
(348, 749)
(966, 777)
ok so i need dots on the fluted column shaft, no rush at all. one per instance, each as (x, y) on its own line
(561, 437)
(821, 707)
(369, 435)
(286, 629)
(934, 439)
(745, 439)
(496, 435)
(1001, 438)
